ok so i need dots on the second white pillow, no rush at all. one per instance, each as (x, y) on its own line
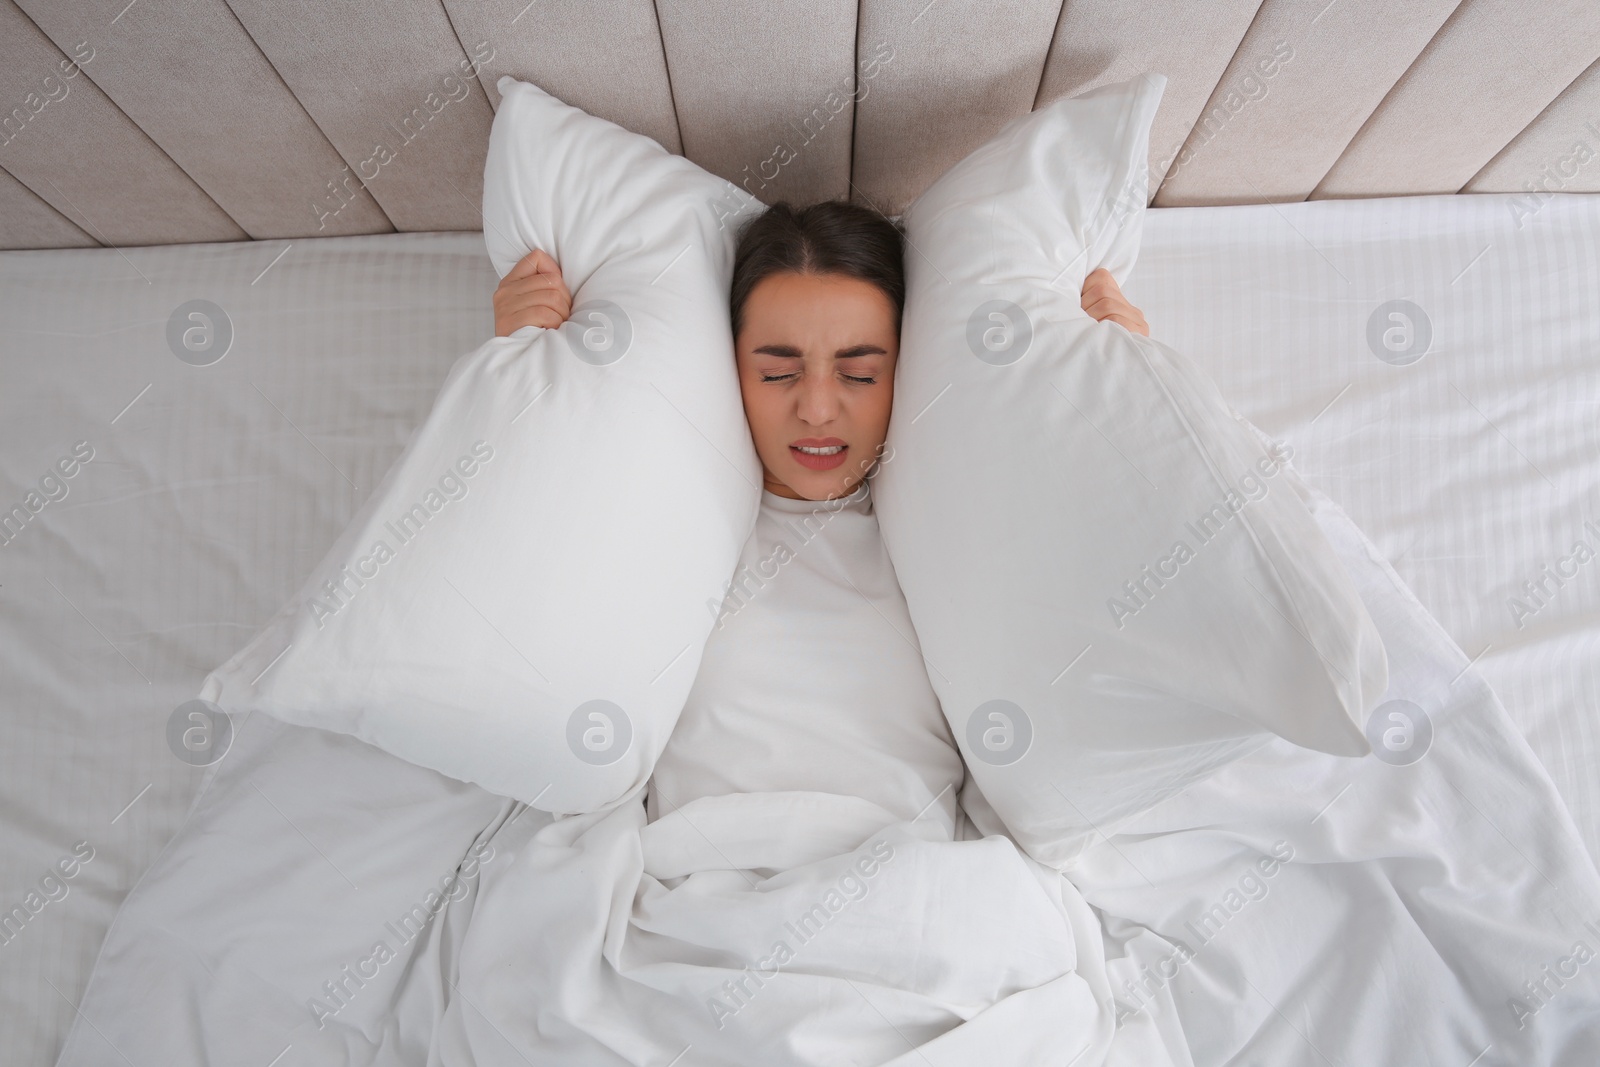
(1116, 587)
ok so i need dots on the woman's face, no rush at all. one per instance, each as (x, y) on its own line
(816, 359)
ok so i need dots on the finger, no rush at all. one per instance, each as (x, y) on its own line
(536, 262)
(531, 283)
(544, 263)
(1109, 302)
(1122, 313)
(1101, 281)
(1132, 323)
(528, 264)
(1097, 292)
(508, 323)
(1099, 278)
(1106, 306)
(515, 299)
(548, 318)
(518, 305)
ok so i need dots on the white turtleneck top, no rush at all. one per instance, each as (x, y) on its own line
(813, 680)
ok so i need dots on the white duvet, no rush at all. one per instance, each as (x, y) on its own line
(328, 903)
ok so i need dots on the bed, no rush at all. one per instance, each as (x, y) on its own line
(212, 489)
(1441, 382)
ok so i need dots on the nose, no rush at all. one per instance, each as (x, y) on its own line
(818, 399)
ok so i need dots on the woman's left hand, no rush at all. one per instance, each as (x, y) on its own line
(1103, 300)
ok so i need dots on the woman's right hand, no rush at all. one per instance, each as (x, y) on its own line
(533, 294)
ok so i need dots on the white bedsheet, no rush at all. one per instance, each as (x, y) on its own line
(1472, 468)
(1295, 908)
(213, 490)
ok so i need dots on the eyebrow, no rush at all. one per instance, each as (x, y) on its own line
(791, 352)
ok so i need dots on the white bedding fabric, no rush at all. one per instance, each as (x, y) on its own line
(1396, 914)
(213, 493)
(1471, 469)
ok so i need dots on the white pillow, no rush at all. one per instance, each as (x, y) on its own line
(1040, 460)
(522, 602)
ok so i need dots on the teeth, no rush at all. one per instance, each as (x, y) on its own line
(830, 450)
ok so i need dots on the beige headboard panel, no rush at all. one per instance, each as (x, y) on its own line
(165, 121)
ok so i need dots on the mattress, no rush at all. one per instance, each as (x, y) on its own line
(237, 402)
(1444, 388)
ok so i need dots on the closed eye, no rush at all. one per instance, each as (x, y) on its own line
(790, 352)
(848, 377)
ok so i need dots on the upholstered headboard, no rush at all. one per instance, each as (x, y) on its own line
(132, 122)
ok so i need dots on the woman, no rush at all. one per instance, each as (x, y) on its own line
(812, 777)
(812, 682)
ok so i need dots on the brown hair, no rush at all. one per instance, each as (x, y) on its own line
(831, 237)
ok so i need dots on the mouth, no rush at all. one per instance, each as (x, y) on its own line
(822, 454)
